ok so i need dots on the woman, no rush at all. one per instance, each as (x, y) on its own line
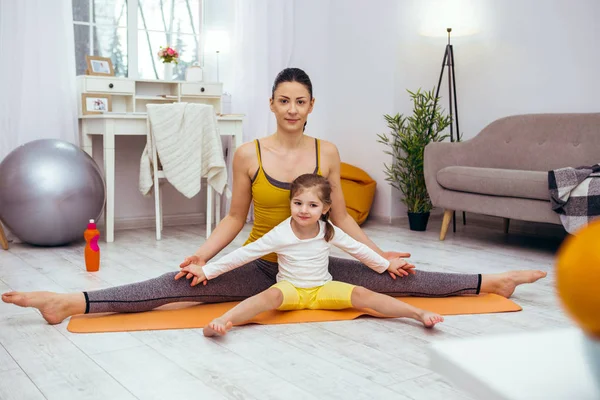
(262, 171)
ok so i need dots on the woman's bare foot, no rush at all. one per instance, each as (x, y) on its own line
(429, 319)
(505, 283)
(55, 307)
(217, 327)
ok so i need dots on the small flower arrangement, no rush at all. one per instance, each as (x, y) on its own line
(168, 55)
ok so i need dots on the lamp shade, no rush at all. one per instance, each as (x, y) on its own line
(435, 16)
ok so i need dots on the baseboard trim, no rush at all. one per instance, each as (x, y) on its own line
(485, 221)
(124, 223)
(516, 225)
(399, 219)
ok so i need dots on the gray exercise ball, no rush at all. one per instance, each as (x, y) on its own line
(49, 190)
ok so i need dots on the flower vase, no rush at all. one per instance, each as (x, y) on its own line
(168, 71)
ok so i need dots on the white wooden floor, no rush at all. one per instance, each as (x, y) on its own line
(362, 359)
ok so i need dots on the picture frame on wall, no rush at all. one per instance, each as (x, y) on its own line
(95, 103)
(101, 66)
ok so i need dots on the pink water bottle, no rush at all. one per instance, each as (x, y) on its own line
(92, 250)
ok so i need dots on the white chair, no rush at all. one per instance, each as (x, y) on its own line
(158, 174)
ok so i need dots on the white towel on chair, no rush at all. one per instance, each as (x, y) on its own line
(189, 147)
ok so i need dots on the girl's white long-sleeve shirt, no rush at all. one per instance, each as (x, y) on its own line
(302, 262)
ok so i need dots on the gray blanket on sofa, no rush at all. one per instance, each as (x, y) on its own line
(575, 195)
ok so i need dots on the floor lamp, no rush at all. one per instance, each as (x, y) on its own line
(453, 105)
(218, 80)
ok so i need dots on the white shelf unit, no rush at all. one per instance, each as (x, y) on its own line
(133, 95)
(129, 99)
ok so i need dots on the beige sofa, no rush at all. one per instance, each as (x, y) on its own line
(503, 171)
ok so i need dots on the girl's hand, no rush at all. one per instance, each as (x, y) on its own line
(191, 267)
(193, 271)
(400, 267)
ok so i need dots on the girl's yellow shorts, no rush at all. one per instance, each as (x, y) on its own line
(333, 295)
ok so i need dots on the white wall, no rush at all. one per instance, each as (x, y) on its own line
(530, 56)
(348, 50)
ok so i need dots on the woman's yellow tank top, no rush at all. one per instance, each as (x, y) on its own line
(271, 200)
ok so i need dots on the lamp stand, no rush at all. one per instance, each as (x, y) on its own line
(218, 66)
(453, 105)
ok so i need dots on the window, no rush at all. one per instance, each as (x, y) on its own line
(131, 32)
(167, 22)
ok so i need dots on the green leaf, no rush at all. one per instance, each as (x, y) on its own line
(406, 144)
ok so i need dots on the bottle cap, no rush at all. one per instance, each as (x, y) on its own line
(92, 224)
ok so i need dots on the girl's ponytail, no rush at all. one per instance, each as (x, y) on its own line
(329, 232)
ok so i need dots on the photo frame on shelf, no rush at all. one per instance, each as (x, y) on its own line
(100, 66)
(95, 103)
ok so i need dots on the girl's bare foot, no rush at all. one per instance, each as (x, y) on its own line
(217, 327)
(429, 319)
(505, 283)
(55, 307)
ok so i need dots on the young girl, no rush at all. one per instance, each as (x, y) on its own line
(303, 281)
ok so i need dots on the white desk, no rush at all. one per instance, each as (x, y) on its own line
(547, 365)
(111, 125)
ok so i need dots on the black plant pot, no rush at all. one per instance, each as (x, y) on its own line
(418, 221)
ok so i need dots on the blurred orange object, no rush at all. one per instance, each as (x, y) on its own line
(359, 191)
(578, 277)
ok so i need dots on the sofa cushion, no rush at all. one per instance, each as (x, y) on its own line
(496, 182)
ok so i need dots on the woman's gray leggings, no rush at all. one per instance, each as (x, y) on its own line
(259, 275)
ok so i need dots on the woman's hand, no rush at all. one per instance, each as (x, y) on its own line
(191, 267)
(400, 267)
(389, 255)
(192, 260)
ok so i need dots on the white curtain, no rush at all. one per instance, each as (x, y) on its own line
(262, 45)
(37, 73)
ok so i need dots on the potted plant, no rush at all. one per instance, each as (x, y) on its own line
(406, 142)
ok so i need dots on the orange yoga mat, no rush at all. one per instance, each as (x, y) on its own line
(198, 316)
